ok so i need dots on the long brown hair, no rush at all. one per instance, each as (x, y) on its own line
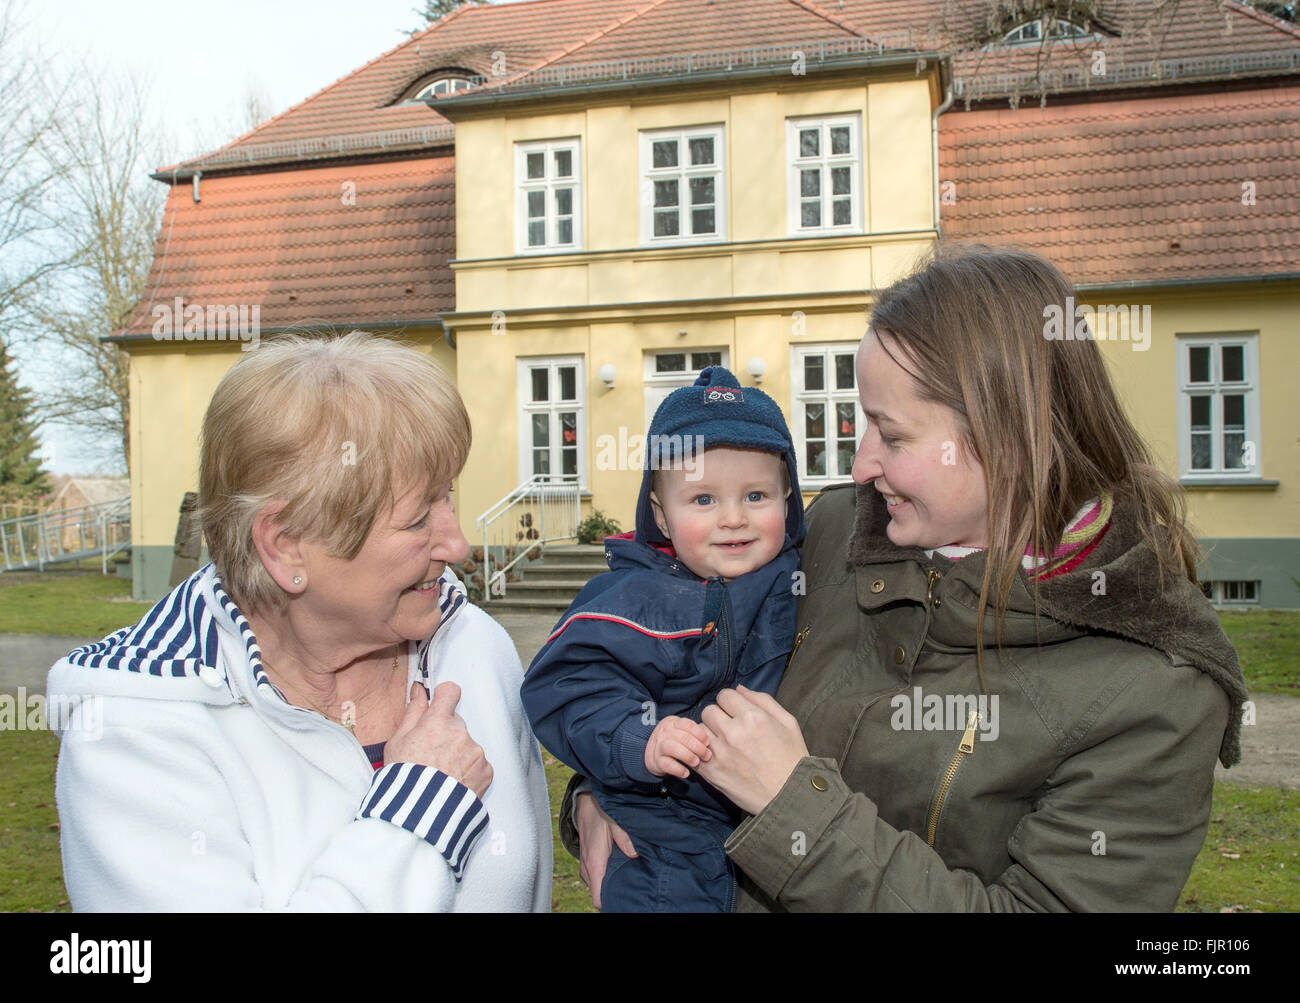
(1039, 414)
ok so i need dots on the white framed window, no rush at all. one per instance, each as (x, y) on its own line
(826, 417)
(552, 419)
(1232, 593)
(440, 88)
(548, 199)
(683, 191)
(824, 188)
(1049, 28)
(1218, 406)
(669, 369)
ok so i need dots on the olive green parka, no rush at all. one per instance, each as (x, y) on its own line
(1084, 784)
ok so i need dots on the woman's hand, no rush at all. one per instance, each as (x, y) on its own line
(596, 831)
(435, 735)
(756, 744)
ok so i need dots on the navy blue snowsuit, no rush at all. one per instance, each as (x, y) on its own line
(647, 640)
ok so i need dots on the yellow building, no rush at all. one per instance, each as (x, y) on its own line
(575, 205)
(735, 221)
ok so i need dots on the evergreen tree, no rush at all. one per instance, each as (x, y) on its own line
(21, 476)
(436, 10)
(1283, 9)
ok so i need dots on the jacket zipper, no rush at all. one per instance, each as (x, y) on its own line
(798, 640)
(965, 749)
(932, 576)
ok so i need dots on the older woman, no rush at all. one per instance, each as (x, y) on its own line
(267, 737)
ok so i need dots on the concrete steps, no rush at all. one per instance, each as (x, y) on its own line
(550, 583)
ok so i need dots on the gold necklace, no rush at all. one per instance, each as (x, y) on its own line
(349, 718)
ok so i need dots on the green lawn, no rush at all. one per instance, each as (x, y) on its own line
(1268, 644)
(1250, 861)
(1251, 858)
(31, 873)
(69, 602)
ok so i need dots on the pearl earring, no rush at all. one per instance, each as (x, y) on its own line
(297, 580)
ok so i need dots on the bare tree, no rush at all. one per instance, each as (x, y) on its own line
(28, 106)
(108, 212)
(976, 35)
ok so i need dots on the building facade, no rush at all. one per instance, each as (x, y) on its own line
(576, 205)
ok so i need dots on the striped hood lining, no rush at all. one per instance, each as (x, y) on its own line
(181, 635)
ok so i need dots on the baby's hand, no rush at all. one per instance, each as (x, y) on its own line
(677, 746)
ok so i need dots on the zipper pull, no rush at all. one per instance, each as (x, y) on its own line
(968, 739)
(798, 640)
(932, 576)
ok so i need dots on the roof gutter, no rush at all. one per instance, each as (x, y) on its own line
(1190, 282)
(493, 97)
(118, 338)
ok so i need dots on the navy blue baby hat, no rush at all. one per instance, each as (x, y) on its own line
(725, 414)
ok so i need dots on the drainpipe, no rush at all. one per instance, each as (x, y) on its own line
(934, 147)
(446, 333)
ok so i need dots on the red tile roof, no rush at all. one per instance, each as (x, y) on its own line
(358, 114)
(272, 230)
(684, 26)
(1196, 39)
(1106, 188)
(288, 242)
(361, 104)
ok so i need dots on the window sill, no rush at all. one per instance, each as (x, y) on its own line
(541, 252)
(1255, 483)
(837, 231)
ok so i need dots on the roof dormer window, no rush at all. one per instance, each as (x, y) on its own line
(438, 85)
(1045, 29)
(442, 87)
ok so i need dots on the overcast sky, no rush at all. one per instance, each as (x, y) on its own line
(198, 63)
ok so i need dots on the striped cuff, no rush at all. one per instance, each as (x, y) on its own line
(441, 811)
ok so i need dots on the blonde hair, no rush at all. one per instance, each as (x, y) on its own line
(336, 428)
(1040, 415)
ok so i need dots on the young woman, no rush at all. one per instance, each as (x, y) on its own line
(1007, 691)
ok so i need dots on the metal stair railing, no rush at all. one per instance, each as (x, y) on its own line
(71, 534)
(543, 509)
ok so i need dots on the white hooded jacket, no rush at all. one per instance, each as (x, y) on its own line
(187, 782)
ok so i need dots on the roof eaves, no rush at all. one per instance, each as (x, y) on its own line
(1187, 282)
(186, 168)
(317, 148)
(1079, 79)
(733, 64)
(119, 337)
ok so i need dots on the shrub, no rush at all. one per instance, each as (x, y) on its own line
(596, 527)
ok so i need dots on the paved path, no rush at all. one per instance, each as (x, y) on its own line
(26, 658)
(1270, 747)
